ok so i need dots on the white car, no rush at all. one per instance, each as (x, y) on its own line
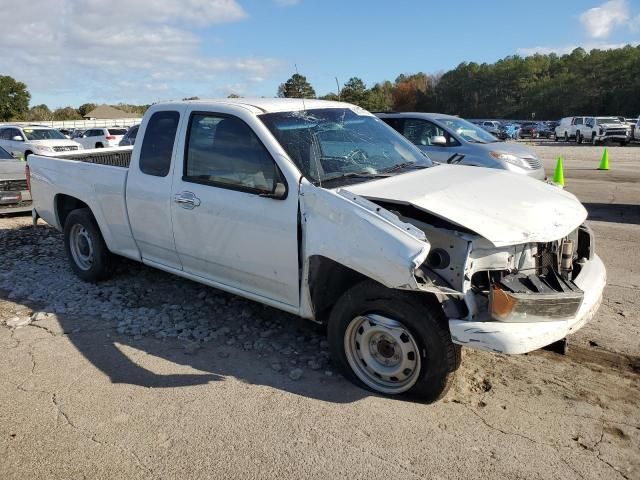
(101, 137)
(321, 210)
(563, 130)
(22, 141)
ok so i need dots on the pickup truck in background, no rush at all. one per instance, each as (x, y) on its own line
(601, 129)
(320, 209)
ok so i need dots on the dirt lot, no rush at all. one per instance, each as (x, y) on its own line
(150, 376)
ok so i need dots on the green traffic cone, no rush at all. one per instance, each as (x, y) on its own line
(604, 163)
(558, 174)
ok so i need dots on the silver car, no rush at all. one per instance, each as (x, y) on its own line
(450, 139)
(14, 193)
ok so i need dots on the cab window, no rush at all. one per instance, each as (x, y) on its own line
(223, 151)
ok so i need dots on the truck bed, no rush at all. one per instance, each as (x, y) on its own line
(96, 178)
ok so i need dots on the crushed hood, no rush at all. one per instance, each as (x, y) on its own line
(504, 208)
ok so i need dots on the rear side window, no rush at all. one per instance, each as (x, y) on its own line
(157, 145)
(117, 131)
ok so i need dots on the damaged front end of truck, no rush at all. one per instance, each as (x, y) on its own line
(501, 296)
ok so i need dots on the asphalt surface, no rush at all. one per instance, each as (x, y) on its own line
(81, 396)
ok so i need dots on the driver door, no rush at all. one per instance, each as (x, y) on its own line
(425, 135)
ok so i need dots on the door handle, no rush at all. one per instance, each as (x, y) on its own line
(187, 200)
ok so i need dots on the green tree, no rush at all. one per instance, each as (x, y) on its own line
(354, 91)
(296, 87)
(66, 113)
(14, 99)
(39, 113)
(86, 108)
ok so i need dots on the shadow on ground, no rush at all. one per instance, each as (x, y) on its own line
(614, 212)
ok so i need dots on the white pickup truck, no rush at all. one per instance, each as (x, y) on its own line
(320, 209)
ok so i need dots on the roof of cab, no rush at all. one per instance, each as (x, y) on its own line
(270, 105)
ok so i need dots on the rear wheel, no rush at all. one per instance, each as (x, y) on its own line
(26, 154)
(566, 137)
(578, 138)
(392, 343)
(88, 255)
(99, 145)
(593, 139)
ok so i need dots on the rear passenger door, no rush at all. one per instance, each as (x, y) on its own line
(149, 188)
(226, 228)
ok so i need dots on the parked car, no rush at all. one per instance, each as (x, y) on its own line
(319, 209)
(129, 138)
(494, 127)
(600, 129)
(577, 128)
(77, 132)
(449, 139)
(66, 132)
(101, 137)
(544, 130)
(21, 141)
(636, 130)
(563, 130)
(14, 194)
(528, 129)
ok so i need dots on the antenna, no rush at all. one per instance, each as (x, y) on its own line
(338, 85)
(304, 107)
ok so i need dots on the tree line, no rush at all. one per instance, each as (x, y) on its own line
(599, 82)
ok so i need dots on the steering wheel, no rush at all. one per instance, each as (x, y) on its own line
(357, 156)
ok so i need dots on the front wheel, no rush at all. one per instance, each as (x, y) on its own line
(593, 140)
(392, 342)
(88, 255)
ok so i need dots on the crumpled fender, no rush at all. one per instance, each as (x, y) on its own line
(359, 234)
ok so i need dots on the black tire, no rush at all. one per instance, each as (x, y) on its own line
(102, 264)
(566, 137)
(578, 138)
(593, 139)
(439, 356)
(26, 154)
(623, 144)
(99, 145)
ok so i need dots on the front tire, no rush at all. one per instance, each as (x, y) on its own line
(88, 255)
(593, 140)
(392, 343)
(578, 138)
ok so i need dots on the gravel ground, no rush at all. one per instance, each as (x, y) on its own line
(152, 376)
(141, 302)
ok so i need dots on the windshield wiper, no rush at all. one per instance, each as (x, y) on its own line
(400, 166)
(353, 175)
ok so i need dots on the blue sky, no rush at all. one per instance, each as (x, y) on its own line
(140, 51)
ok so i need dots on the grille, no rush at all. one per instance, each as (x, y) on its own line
(533, 162)
(113, 159)
(13, 185)
(616, 131)
(69, 148)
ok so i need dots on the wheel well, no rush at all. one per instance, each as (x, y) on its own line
(328, 280)
(66, 204)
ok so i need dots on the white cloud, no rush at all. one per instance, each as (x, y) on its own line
(129, 50)
(286, 3)
(599, 21)
(564, 49)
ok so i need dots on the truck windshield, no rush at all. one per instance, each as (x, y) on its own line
(332, 143)
(468, 131)
(42, 134)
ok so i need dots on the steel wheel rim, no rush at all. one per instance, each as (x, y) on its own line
(81, 247)
(382, 353)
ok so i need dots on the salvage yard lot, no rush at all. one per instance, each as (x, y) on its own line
(151, 376)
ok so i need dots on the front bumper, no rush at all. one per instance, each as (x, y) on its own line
(514, 338)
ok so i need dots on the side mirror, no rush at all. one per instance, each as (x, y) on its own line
(279, 192)
(17, 138)
(438, 140)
